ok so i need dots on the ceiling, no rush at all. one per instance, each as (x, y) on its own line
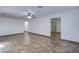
(18, 11)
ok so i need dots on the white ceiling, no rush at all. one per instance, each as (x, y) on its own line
(40, 12)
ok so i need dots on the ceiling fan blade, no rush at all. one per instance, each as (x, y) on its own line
(34, 16)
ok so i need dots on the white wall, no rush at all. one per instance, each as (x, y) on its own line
(40, 26)
(11, 26)
(69, 25)
(26, 25)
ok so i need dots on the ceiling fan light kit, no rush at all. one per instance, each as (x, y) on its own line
(29, 17)
(29, 14)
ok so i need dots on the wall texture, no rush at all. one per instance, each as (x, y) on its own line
(11, 26)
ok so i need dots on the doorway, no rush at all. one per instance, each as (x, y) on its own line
(56, 28)
(56, 34)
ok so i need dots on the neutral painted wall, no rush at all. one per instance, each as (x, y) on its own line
(11, 26)
(26, 25)
(69, 25)
(40, 26)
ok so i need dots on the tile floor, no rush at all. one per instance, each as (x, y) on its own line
(31, 43)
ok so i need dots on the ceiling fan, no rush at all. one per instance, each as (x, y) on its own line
(29, 15)
(25, 15)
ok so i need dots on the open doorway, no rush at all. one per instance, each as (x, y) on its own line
(56, 28)
(56, 34)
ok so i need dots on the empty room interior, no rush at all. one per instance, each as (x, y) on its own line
(39, 29)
